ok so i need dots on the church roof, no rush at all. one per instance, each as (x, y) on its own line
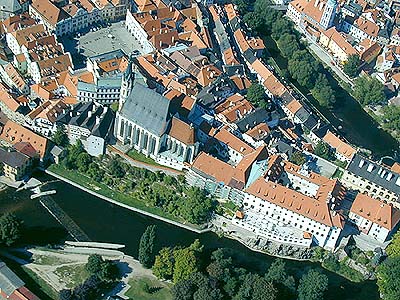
(148, 109)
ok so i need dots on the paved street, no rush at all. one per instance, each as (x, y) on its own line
(327, 59)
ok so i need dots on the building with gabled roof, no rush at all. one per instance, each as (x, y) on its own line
(91, 123)
(374, 218)
(13, 133)
(343, 151)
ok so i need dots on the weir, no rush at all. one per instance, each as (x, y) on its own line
(61, 216)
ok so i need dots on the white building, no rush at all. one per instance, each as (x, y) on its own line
(372, 178)
(291, 205)
(91, 123)
(373, 217)
(44, 117)
(135, 28)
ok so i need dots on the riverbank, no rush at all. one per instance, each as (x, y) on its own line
(105, 222)
(251, 242)
(121, 204)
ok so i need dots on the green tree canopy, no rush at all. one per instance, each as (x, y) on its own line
(164, 264)
(94, 264)
(303, 68)
(351, 65)
(82, 161)
(146, 246)
(197, 207)
(281, 26)
(256, 94)
(60, 137)
(388, 274)
(324, 150)
(185, 264)
(298, 158)
(312, 286)
(288, 44)
(391, 118)
(323, 92)
(253, 20)
(368, 90)
(10, 229)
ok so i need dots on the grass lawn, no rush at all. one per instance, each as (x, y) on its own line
(72, 275)
(104, 190)
(49, 260)
(141, 157)
(141, 288)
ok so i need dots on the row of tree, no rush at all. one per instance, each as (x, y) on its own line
(198, 276)
(302, 66)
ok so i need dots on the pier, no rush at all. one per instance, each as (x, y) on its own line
(61, 216)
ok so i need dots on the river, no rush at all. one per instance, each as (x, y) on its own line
(105, 222)
(357, 126)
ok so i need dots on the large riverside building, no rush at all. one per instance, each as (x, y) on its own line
(289, 204)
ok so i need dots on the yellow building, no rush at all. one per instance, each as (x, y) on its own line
(337, 44)
(15, 164)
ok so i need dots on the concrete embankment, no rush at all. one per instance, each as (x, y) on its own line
(187, 227)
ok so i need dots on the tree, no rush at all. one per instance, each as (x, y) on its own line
(146, 246)
(391, 117)
(368, 90)
(256, 94)
(298, 158)
(185, 264)
(108, 272)
(116, 168)
(60, 137)
(164, 264)
(279, 27)
(323, 150)
(66, 295)
(312, 285)
(10, 229)
(288, 45)
(351, 65)
(241, 6)
(388, 274)
(253, 20)
(82, 162)
(183, 290)
(94, 264)
(197, 207)
(303, 68)
(263, 289)
(323, 92)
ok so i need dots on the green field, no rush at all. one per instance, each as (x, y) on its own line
(148, 289)
(141, 157)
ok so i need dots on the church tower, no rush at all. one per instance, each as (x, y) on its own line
(128, 79)
(328, 14)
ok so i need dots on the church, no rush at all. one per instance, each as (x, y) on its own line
(149, 123)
